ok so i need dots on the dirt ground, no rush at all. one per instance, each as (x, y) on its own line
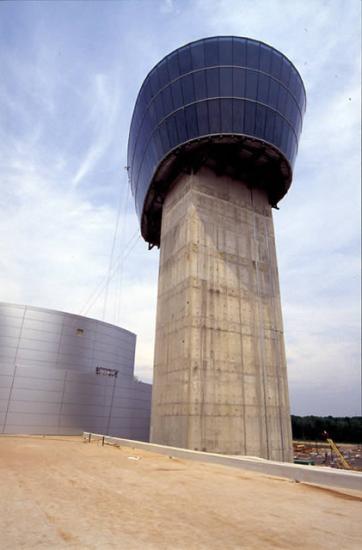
(63, 493)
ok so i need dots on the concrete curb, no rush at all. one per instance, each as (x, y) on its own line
(317, 475)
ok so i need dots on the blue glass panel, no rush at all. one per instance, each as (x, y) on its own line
(164, 138)
(288, 110)
(239, 80)
(269, 125)
(187, 85)
(282, 98)
(198, 55)
(265, 58)
(185, 60)
(155, 84)
(252, 54)
(249, 120)
(226, 82)
(147, 93)
(226, 107)
(276, 65)
(239, 52)
(263, 87)
(200, 84)
(278, 129)
(285, 134)
(238, 116)
(167, 99)
(294, 82)
(158, 105)
(172, 131)
(251, 84)
(191, 121)
(260, 120)
(181, 125)
(286, 72)
(211, 52)
(176, 93)
(273, 93)
(163, 73)
(225, 51)
(214, 116)
(202, 118)
(173, 66)
(212, 82)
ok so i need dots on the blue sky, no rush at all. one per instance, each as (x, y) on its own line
(70, 74)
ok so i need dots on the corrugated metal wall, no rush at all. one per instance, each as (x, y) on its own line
(57, 375)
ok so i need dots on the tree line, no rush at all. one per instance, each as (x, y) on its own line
(346, 429)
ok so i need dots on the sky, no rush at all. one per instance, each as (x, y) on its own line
(70, 74)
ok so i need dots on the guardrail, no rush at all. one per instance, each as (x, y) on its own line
(316, 475)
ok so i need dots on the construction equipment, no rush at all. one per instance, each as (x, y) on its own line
(340, 458)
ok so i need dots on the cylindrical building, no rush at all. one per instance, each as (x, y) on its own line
(64, 374)
(212, 144)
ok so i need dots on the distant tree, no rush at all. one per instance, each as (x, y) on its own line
(341, 429)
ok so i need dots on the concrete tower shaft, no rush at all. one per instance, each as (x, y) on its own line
(212, 144)
(220, 379)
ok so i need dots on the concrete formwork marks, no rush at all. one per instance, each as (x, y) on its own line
(220, 375)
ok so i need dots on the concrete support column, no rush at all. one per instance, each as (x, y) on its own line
(220, 381)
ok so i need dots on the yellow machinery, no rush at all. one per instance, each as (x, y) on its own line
(339, 455)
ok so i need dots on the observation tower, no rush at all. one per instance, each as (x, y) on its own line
(212, 145)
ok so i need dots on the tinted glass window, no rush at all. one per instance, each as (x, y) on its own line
(198, 55)
(252, 54)
(269, 125)
(158, 104)
(238, 116)
(214, 116)
(251, 84)
(167, 99)
(260, 120)
(155, 85)
(265, 58)
(273, 93)
(211, 52)
(226, 107)
(185, 60)
(147, 93)
(294, 82)
(203, 118)
(212, 80)
(249, 117)
(164, 138)
(239, 82)
(239, 52)
(278, 128)
(176, 93)
(276, 64)
(226, 81)
(187, 85)
(173, 68)
(181, 125)
(200, 84)
(263, 87)
(163, 73)
(282, 99)
(172, 131)
(152, 115)
(191, 121)
(225, 51)
(285, 74)
(285, 134)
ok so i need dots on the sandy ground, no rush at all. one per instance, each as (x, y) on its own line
(63, 493)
